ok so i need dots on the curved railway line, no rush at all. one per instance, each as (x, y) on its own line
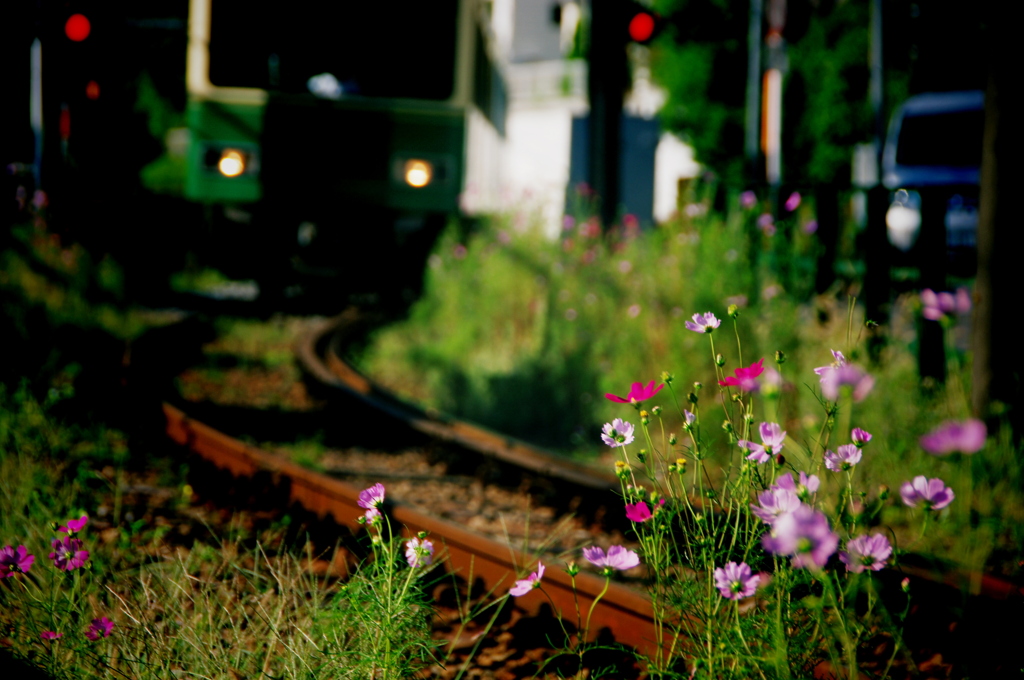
(624, 611)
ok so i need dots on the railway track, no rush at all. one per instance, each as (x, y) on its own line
(624, 610)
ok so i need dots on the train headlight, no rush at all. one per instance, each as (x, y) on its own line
(418, 173)
(231, 163)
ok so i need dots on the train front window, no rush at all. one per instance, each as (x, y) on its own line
(403, 49)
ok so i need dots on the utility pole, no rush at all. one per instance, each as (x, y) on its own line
(606, 82)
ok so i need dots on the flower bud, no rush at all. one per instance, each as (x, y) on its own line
(421, 535)
(681, 464)
(360, 520)
(780, 357)
(656, 410)
(871, 324)
(780, 459)
(691, 397)
(699, 518)
(719, 360)
(733, 311)
(375, 539)
(642, 456)
(672, 439)
(667, 377)
(736, 397)
(697, 386)
(748, 417)
(905, 585)
(572, 569)
(883, 492)
(727, 426)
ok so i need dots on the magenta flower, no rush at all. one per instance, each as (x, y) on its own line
(966, 437)
(866, 552)
(617, 433)
(848, 375)
(805, 535)
(793, 202)
(372, 497)
(735, 581)
(639, 512)
(703, 323)
(67, 553)
(50, 635)
(100, 628)
(744, 377)
(774, 503)
(748, 199)
(74, 525)
(372, 516)
(931, 494)
(419, 553)
(617, 558)
(637, 394)
(525, 585)
(860, 437)
(14, 560)
(844, 459)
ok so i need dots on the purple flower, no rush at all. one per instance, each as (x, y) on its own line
(372, 497)
(966, 437)
(703, 323)
(372, 516)
(860, 437)
(748, 199)
(806, 487)
(850, 375)
(793, 202)
(811, 227)
(744, 378)
(866, 552)
(100, 628)
(772, 438)
(938, 306)
(804, 534)
(774, 503)
(50, 635)
(735, 581)
(14, 560)
(931, 494)
(690, 419)
(523, 586)
(837, 360)
(845, 458)
(67, 553)
(766, 223)
(637, 393)
(617, 433)
(74, 525)
(419, 553)
(617, 558)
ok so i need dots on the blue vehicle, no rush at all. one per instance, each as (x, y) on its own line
(931, 163)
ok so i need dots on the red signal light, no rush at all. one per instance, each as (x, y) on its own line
(92, 90)
(641, 27)
(77, 27)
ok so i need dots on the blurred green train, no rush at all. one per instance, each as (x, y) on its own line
(332, 137)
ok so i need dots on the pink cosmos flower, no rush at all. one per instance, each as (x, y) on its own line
(637, 394)
(860, 437)
(772, 442)
(744, 378)
(617, 433)
(804, 534)
(748, 199)
(617, 558)
(937, 306)
(837, 360)
(793, 202)
(866, 552)
(843, 459)
(100, 628)
(372, 516)
(419, 553)
(735, 581)
(804, 489)
(639, 511)
(774, 503)
(703, 323)
(525, 585)
(846, 375)
(930, 494)
(50, 635)
(372, 497)
(74, 525)
(14, 560)
(965, 437)
(67, 553)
